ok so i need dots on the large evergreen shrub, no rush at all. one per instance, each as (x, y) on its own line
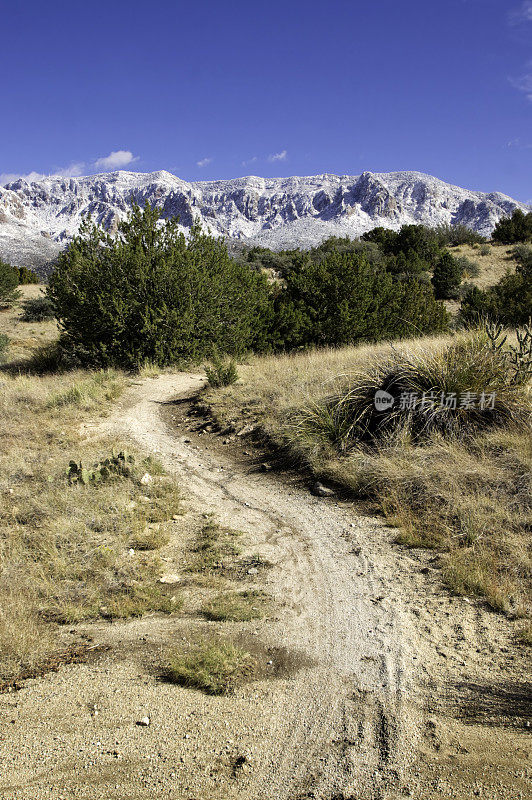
(148, 294)
(344, 299)
(447, 276)
(517, 228)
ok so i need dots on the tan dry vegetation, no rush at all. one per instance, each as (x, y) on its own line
(493, 266)
(469, 499)
(65, 548)
(25, 336)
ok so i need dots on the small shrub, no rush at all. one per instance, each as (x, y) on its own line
(37, 309)
(153, 537)
(27, 276)
(213, 667)
(523, 255)
(509, 301)
(484, 250)
(221, 373)
(455, 235)
(447, 277)
(469, 269)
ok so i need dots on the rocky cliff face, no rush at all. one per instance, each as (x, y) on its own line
(38, 219)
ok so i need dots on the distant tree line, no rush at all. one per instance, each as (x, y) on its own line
(150, 293)
(10, 279)
(514, 229)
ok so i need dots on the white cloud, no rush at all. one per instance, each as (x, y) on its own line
(9, 177)
(74, 170)
(524, 84)
(203, 162)
(523, 13)
(282, 156)
(519, 144)
(249, 161)
(116, 159)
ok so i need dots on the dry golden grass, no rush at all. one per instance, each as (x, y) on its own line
(470, 499)
(65, 548)
(25, 336)
(493, 266)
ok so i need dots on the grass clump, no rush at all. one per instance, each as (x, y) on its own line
(88, 393)
(236, 606)
(153, 537)
(37, 309)
(455, 390)
(213, 667)
(221, 372)
(214, 545)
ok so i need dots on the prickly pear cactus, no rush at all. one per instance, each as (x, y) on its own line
(119, 465)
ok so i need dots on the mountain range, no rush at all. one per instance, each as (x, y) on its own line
(39, 218)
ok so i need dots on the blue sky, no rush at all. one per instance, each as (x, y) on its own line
(221, 89)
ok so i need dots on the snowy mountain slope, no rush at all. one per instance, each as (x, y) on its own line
(38, 219)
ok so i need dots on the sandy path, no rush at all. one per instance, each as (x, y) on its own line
(357, 696)
(347, 726)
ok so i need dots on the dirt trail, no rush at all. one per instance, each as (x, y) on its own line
(349, 723)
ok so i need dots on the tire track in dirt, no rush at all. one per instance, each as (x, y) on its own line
(360, 646)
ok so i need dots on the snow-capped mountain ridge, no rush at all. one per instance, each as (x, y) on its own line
(38, 219)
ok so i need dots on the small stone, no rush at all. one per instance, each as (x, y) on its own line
(131, 551)
(143, 722)
(175, 517)
(170, 577)
(266, 467)
(253, 571)
(146, 479)
(320, 490)
(246, 430)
